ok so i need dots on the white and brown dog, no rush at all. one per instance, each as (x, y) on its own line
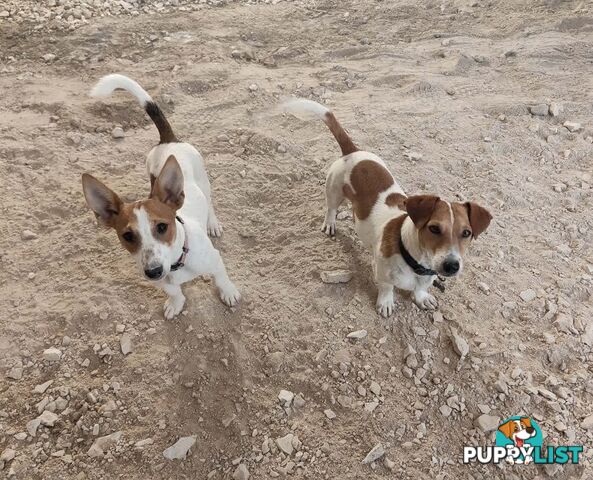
(167, 234)
(412, 239)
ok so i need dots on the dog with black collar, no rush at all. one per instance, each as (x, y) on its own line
(167, 233)
(412, 239)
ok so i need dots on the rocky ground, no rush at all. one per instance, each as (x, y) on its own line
(482, 100)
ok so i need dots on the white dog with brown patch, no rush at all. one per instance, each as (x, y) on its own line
(167, 234)
(412, 239)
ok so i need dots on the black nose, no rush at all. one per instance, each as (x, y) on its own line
(451, 267)
(530, 430)
(154, 272)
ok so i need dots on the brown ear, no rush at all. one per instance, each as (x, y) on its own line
(168, 186)
(420, 208)
(507, 429)
(102, 200)
(479, 218)
(526, 421)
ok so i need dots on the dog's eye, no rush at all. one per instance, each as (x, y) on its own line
(466, 233)
(128, 237)
(161, 228)
(435, 229)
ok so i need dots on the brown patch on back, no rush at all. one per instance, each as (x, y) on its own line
(391, 236)
(396, 200)
(368, 179)
(340, 134)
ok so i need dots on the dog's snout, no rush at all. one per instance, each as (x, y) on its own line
(530, 430)
(154, 273)
(450, 266)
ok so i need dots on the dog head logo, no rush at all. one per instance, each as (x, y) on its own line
(519, 431)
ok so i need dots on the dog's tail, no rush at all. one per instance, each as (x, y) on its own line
(302, 106)
(109, 83)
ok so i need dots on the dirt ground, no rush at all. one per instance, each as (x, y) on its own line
(442, 91)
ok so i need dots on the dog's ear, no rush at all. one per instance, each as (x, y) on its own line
(479, 218)
(526, 421)
(168, 186)
(507, 429)
(420, 208)
(102, 200)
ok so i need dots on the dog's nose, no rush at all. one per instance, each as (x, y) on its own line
(154, 272)
(530, 430)
(451, 267)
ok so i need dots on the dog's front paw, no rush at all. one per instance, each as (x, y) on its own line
(173, 306)
(214, 228)
(329, 229)
(426, 301)
(528, 459)
(386, 308)
(230, 295)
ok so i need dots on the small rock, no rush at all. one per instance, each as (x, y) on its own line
(555, 109)
(101, 444)
(33, 425)
(52, 354)
(253, 87)
(540, 110)
(587, 423)
(329, 414)
(285, 443)
(375, 454)
(357, 335)
(445, 410)
(281, 149)
(487, 423)
(573, 126)
(118, 132)
(15, 373)
(7, 455)
(49, 57)
(299, 401)
(389, 464)
(336, 276)
(144, 443)
(528, 295)
(48, 418)
(241, 473)
(286, 397)
(125, 343)
(375, 388)
(460, 345)
(179, 449)
(28, 235)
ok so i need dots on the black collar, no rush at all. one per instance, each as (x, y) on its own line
(184, 251)
(411, 261)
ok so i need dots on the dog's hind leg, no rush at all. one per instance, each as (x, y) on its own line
(334, 196)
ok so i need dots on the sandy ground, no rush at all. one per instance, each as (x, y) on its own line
(442, 92)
